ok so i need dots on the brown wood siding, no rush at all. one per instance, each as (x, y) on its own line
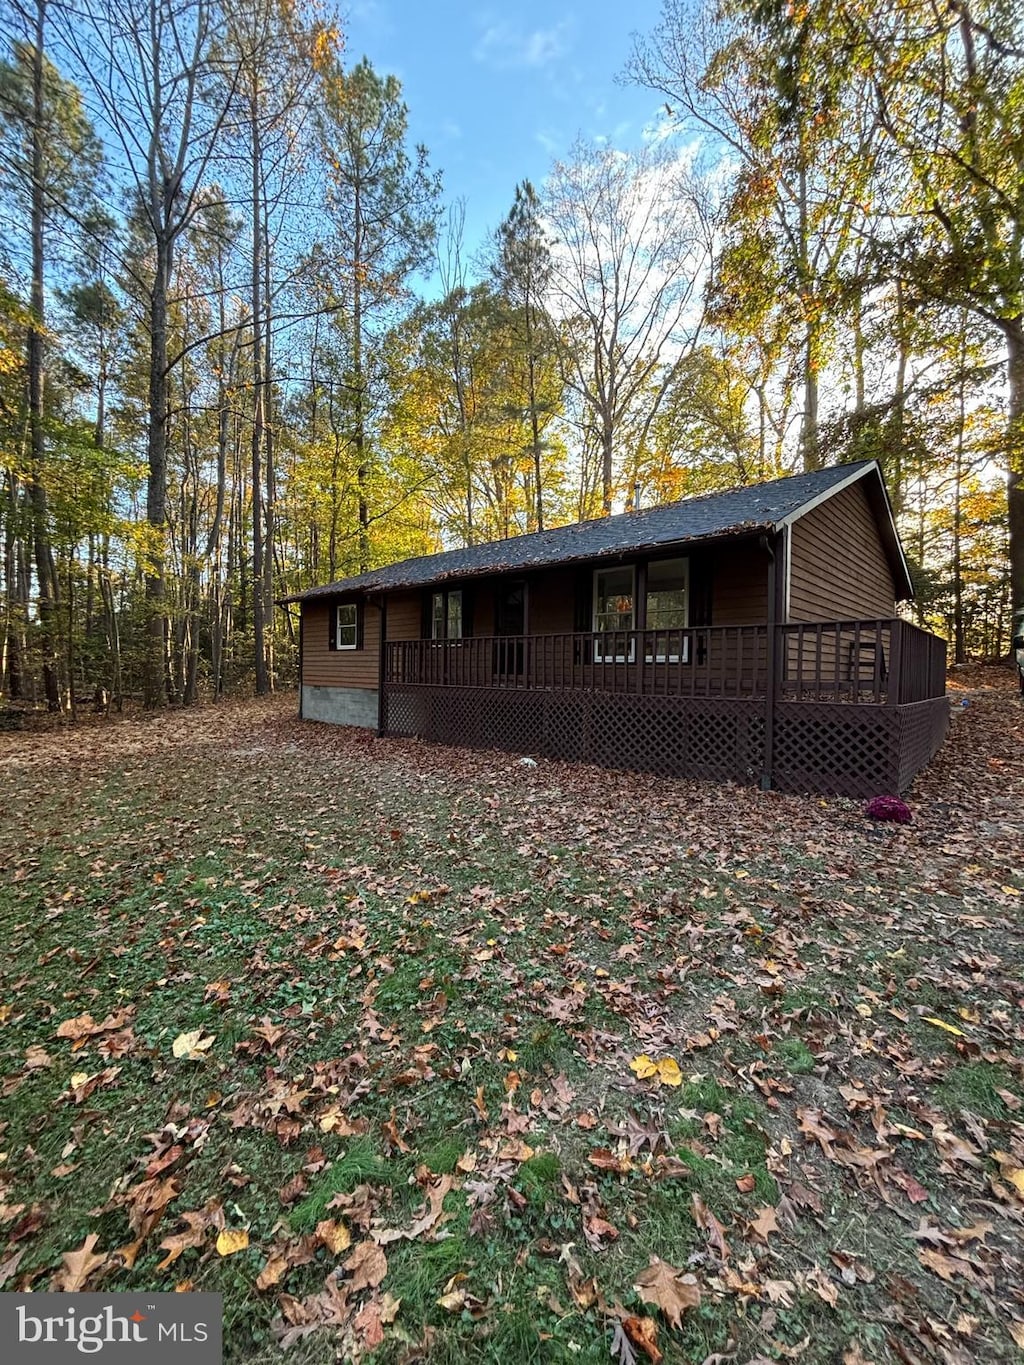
(326, 667)
(739, 585)
(482, 592)
(405, 616)
(838, 568)
(552, 601)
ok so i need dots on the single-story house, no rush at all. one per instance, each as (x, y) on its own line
(749, 635)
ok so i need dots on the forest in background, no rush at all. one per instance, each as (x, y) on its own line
(224, 376)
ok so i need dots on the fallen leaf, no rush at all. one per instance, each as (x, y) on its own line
(825, 1288)
(941, 1023)
(605, 1160)
(272, 1273)
(669, 1072)
(643, 1332)
(779, 1291)
(1008, 1171)
(454, 1295)
(192, 1046)
(9, 1266)
(78, 1266)
(598, 1230)
(232, 1240)
(665, 1071)
(198, 1221)
(708, 1223)
(669, 1289)
(369, 1325)
(764, 1223)
(367, 1265)
(621, 1347)
(334, 1235)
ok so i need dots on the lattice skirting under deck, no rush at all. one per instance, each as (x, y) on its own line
(849, 750)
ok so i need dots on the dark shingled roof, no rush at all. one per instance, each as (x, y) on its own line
(739, 511)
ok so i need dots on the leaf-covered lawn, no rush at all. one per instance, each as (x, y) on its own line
(420, 1054)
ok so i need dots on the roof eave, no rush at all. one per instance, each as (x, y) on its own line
(741, 531)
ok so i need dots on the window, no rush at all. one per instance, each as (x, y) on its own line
(613, 612)
(668, 582)
(346, 629)
(446, 616)
(453, 625)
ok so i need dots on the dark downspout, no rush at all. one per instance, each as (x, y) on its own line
(302, 620)
(382, 666)
(769, 709)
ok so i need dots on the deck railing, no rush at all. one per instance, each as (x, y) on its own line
(884, 661)
(921, 663)
(703, 661)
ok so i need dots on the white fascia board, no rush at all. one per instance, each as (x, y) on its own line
(829, 492)
(848, 482)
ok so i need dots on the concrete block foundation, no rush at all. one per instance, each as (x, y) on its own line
(340, 705)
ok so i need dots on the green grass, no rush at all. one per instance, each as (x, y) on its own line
(796, 1056)
(974, 1087)
(408, 988)
(359, 1165)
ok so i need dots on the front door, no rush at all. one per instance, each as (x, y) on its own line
(510, 620)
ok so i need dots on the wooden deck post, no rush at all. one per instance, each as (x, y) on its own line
(892, 694)
(775, 580)
(640, 622)
(382, 661)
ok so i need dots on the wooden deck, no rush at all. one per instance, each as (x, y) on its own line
(850, 707)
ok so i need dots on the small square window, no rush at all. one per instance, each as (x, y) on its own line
(347, 629)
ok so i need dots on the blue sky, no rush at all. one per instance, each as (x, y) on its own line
(497, 93)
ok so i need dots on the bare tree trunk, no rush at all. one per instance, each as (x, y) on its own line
(1013, 330)
(256, 491)
(269, 474)
(156, 679)
(809, 425)
(15, 614)
(359, 426)
(46, 573)
(959, 644)
(538, 479)
(607, 454)
(71, 660)
(112, 631)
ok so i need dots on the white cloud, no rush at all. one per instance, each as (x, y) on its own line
(505, 45)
